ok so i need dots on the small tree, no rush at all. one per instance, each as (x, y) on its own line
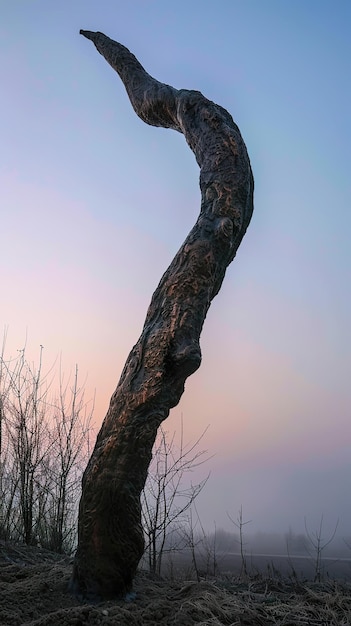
(6, 493)
(165, 498)
(202, 546)
(25, 409)
(239, 524)
(70, 435)
(317, 546)
(44, 445)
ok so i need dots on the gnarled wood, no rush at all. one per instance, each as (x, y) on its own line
(110, 542)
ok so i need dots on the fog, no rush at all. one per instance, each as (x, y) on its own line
(276, 499)
(312, 555)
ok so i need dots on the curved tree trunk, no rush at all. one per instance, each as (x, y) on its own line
(110, 539)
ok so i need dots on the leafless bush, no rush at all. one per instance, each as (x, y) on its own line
(316, 547)
(202, 546)
(239, 523)
(166, 498)
(44, 445)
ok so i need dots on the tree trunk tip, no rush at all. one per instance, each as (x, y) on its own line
(88, 34)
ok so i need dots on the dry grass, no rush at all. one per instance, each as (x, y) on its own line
(33, 587)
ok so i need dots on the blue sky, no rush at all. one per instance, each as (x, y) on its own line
(95, 204)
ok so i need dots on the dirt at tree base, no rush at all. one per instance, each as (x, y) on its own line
(33, 592)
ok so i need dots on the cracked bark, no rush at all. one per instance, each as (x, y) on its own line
(110, 537)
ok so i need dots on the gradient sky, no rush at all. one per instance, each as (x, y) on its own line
(95, 204)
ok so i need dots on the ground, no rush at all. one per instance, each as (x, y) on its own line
(33, 592)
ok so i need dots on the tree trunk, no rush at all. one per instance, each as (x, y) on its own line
(110, 535)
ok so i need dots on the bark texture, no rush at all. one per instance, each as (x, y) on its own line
(110, 536)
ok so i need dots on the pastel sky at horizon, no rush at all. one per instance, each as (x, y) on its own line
(95, 204)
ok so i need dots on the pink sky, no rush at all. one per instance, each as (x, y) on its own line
(95, 204)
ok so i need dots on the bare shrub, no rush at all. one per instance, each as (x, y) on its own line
(202, 546)
(239, 523)
(166, 498)
(44, 446)
(316, 547)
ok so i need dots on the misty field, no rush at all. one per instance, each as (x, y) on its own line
(279, 566)
(33, 592)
